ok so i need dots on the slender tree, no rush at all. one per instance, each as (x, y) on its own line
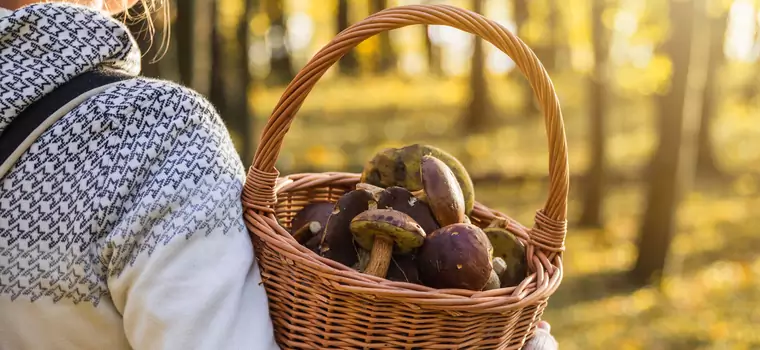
(673, 163)
(386, 56)
(193, 27)
(218, 64)
(348, 64)
(281, 69)
(243, 83)
(235, 80)
(550, 58)
(521, 15)
(183, 29)
(706, 163)
(432, 52)
(479, 113)
(591, 215)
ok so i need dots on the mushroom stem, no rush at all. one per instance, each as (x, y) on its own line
(420, 194)
(363, 256)
(306, 232)
(375, 190)
(380, 257)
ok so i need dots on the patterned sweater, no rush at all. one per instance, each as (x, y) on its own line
(121, 226)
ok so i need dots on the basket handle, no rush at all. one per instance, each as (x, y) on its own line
(550, 229)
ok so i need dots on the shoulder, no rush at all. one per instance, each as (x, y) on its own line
(173, 170)
(154, 120)
(159, 99)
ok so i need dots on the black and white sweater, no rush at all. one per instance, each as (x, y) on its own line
(121, 226)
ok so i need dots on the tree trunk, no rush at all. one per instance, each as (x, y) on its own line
(433, 54)
(706, 164)
(673, 162)
(183, 29)
(193, 28)
(520, 10)
(550, 58)
(521, 15)
(243, 83)
(236, 81)
(348, 64)
(217, 93)
(281, 70)
(480, 110)
(547, 50)
(386, 56)
(591, 215)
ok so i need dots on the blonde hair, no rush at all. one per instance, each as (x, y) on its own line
(143, 12)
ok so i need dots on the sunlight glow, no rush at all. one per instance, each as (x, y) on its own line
(300, 30)
(740, 35)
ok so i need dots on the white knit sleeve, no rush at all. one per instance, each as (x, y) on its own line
(180, 262)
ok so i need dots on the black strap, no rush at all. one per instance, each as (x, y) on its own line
(34, 115)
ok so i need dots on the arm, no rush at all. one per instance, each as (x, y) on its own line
(180, 262)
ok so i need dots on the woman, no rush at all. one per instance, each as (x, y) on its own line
(120, 223)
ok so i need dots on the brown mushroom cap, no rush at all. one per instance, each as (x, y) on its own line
(456, 256)
(444, 195)
(313, 243)
(337, 241)
(403, 268)
(307, 232)
(383, 232)
(318, 212)
(507, 247)
(400, 199)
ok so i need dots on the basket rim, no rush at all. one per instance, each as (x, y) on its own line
(543, 280)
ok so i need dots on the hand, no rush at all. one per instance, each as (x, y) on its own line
(542, 339)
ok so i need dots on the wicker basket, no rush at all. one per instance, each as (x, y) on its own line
(316, 303)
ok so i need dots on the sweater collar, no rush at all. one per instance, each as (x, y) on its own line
(42, 46)
(4, 12)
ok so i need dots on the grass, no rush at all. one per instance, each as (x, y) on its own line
(709, 299)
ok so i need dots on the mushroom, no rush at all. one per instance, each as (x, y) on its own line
(384, 232)
(337, 241)
(318, 212)
(493, 281)
(399, 198)
(507, 247)
(363, 259)
(307, 232)
(313, 243)
(456, 256)
(403, 268)
(442, 192)
(401, 167)
(375, 190)
(499, 266)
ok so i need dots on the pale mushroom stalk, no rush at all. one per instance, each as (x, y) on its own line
(379, 259)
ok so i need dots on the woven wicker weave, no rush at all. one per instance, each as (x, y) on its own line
(316, 303)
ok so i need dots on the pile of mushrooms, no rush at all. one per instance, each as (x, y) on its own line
(408, 221)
